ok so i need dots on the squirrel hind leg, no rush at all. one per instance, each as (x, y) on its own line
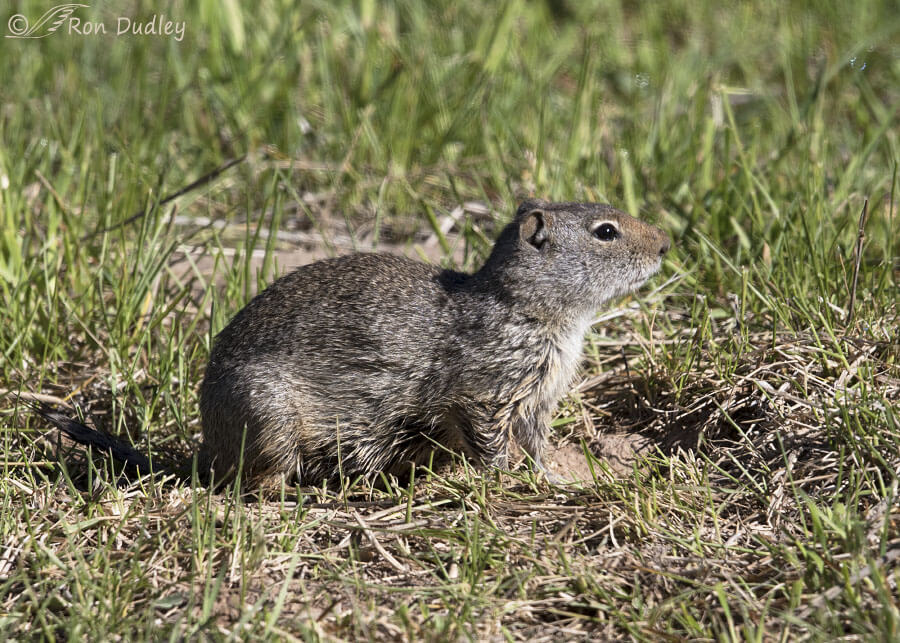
(264, 452)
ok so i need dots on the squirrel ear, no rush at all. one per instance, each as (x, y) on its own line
(533, 229)
(530, 204)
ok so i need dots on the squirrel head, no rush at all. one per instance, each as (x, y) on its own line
(566, 259)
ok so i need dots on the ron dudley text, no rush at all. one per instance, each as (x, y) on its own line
(156, 26)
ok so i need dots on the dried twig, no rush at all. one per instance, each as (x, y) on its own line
(393, 562)
(203, 180)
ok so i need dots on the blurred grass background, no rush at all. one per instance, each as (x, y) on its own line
(761, 126)
(753, 133)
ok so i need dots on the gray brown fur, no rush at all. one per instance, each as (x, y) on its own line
(366, 362)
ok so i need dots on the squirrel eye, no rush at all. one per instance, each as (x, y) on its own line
(606, 232)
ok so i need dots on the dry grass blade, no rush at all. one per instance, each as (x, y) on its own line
(857, 259)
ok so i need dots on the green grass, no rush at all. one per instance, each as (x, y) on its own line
(753, 135)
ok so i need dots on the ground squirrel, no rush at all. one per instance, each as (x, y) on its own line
(368, 362)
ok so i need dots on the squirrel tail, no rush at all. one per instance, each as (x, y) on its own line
(84, 434)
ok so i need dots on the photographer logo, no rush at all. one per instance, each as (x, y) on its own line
(63, 19)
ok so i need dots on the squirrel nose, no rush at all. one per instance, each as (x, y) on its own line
(664, 246)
